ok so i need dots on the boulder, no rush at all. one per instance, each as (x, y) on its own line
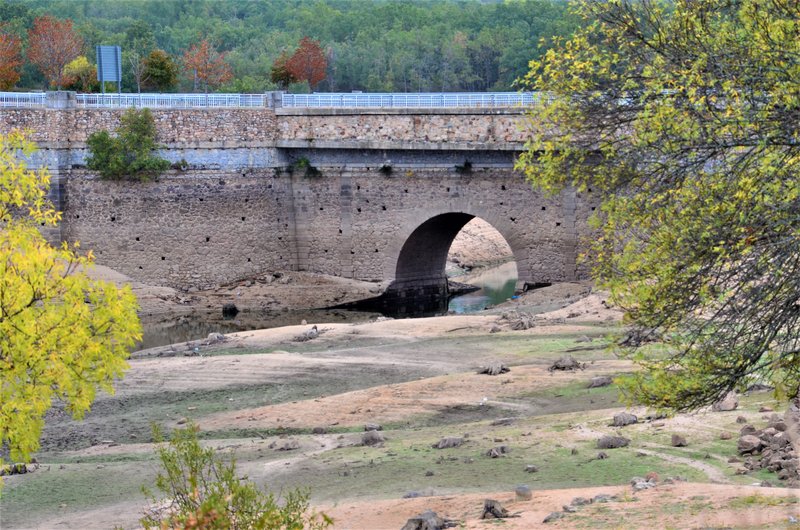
(749, 444)
(427, 520)
(498, 451)
(612, 442)
(725, 436)
(523, 492)
(729, 402)
(678, 441)
(494, 510)
(530, 468)
(494, 369)
(372, 438)
(448, 442)
(553, 516)
(600, 381)
(372, 427)
(624, 418)
(567, 363)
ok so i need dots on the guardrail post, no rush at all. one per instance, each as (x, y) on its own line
(62, 99)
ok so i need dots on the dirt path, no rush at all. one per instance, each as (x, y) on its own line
(713, 473)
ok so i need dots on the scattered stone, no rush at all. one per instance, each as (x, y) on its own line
(602, 455)
(518, 320)
(372, 427)
(310, 334)
(580, 501)
(747, 429)
(612, 442)
(567, 363)
(567, 508)
(766, 484)
(729, 402)
(624, 418)
(602, 498)
(765, 408)
(319, 430)
(494, 510)
(498, 451)
(530, 468)
(584, 338)
(428, 520)
(574, 451)
(678, 441)
(229, 310)
(741, 419)
(725, 436)
(748, 444)
(429, 473)
(448, 442)
(372, 438)
(554, 516)
(214, 337)
(652, 476)
(495, 329)
(289, 445)
(600, 381)
(523, 493)
(502, 422)
(640, 484)
(494, 369)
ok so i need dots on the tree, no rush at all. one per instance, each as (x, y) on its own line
(685, 117)
(62, 335)
(129, 154)
(308, 62)
(206, 492)
(10, 59)
(80, 74)
(159, 71)
(138, 69)
(206, 65)
(280, 74)
(52, 45)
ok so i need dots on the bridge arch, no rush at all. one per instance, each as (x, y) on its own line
(417, 257)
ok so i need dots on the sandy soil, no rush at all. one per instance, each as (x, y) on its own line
(641, 510)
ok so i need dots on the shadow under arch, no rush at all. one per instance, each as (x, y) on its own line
(420, 284)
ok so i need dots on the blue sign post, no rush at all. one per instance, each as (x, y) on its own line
(109, 66)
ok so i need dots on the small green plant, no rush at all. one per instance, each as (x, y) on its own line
(181, 165)
(304, 164)
(129, 154)
(464, 168)
(203, 491)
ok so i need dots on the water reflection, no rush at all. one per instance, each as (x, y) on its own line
(496, 284)
(196, 326)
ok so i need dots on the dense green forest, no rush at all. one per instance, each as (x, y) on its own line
(371, 45)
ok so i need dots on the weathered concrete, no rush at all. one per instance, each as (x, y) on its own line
(393, 191)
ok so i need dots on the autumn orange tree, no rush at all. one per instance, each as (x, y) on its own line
(53, 44)
(207, 65)
(280, 74)
(308, 63)
(10, 59)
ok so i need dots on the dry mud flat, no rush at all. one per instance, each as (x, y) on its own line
(293, 411)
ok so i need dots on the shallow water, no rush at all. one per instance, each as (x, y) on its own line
(496, 285)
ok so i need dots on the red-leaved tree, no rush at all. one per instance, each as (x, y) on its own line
(308, 63)
(10, 59)
(52, 45)
(206, 65)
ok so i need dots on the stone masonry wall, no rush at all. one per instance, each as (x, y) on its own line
(188, 230)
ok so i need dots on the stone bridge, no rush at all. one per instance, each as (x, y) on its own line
(370, 194)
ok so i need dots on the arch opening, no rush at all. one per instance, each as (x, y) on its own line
(420, 283)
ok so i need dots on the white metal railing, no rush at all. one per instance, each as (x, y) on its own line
(411, 100)
(22, 99)
(320, 100)
(172, 101)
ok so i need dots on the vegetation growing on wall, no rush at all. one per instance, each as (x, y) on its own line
(129, 155)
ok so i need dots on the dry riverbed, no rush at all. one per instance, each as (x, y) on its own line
(292, 411)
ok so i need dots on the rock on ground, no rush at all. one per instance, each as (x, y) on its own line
(612, 442)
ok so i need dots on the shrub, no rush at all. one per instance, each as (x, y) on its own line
(205, 492)
(130, 153)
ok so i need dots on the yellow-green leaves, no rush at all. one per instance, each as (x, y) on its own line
(62, 335)
(683, 115)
